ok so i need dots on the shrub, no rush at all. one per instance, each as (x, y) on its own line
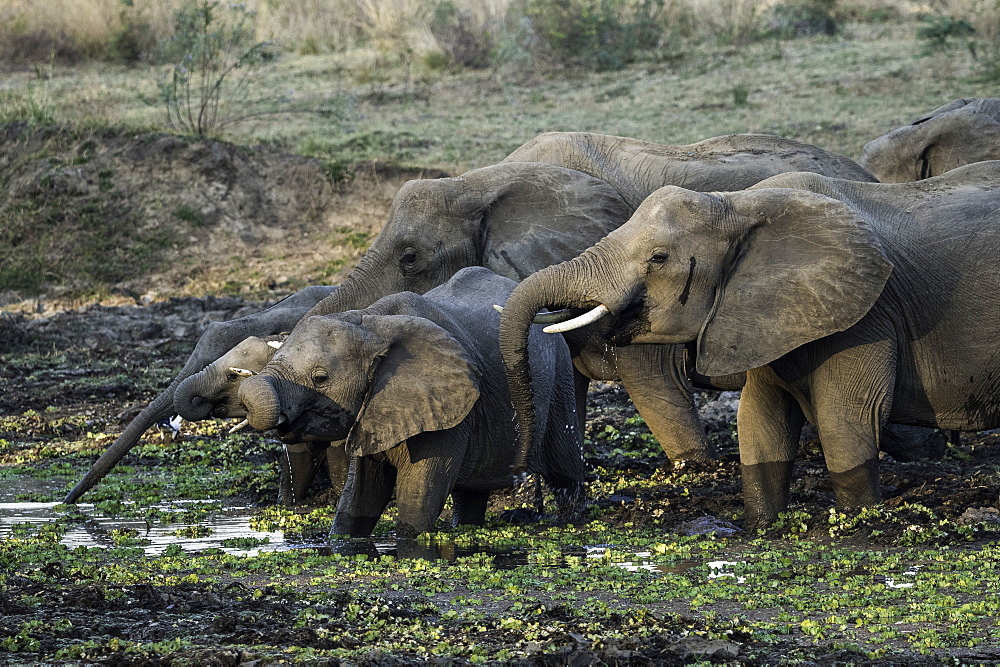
(799, 18)
(465, 40)
(606, 33)
(200, 96)
(938, 31)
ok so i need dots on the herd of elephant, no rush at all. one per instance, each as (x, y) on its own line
(863, 297)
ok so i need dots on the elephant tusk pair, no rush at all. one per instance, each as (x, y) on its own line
(246, 422)
(566, 320)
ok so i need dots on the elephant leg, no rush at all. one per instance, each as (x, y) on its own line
(652, 377)
(337, 464)
(581, 385)
(852, 394)
(769, 421)
(428, 467)
(298, 470)
(370, 482)
(469, 507)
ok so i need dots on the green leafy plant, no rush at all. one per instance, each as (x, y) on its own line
(938, 32)
(214, 60)
(606, 33)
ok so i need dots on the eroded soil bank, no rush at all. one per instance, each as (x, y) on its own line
(652, 569)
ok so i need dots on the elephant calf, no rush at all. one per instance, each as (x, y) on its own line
(415, 387)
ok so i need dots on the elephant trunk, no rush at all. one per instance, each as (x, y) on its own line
(260, 398)
(548, 288)
(161, 407)
(190, 398)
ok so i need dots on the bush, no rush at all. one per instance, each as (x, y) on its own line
(800, 18)
(465, 41)
(608, 34)
(938, 31)
(200, 96)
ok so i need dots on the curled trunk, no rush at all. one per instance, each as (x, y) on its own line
(545, 289)
(260, 398)
(190, 400)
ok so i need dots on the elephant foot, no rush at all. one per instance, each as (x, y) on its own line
(353, 526)
(765, 493)
(858, 487)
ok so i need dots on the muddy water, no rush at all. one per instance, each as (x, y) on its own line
(96, 530)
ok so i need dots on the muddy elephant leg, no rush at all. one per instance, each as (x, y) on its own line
(652, 377)
(469, 507)
(853, 393)
(298, 470)
(367, 492)
(428, 466)
(769, 421)
(337, 465)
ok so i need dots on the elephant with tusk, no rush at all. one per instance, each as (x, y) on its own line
(847, 304)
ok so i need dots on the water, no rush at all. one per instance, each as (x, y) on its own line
(95, 531)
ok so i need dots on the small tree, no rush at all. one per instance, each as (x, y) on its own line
(203, 93)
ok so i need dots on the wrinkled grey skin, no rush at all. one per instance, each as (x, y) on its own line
(731, 162)
(415, 387)
(212, 392)
(956, 134)
(218, 339)
(847, 304)
(515, 219)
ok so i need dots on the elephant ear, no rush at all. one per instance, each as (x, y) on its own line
(538, 214)
(805, 267)
(424, 381)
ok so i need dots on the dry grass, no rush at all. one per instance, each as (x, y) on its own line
(79, 29)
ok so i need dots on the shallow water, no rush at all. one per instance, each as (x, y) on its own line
(95, 531)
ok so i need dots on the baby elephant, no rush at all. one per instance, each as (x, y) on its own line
(415, 387)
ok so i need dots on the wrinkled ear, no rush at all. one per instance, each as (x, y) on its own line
(424, 381)
(805, 266)
(538, 214)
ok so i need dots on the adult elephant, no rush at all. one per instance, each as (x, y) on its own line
(636, 168)
(848, 304)
(956, 134)
(516, 218)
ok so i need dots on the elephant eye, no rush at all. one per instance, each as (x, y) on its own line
(658, 258)
(409, 257)
(320, 378)
(232, 377)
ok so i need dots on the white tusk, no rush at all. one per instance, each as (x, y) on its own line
(588, 317)
(497, 308)
(276, 344)
(281, 420)
(239, 427)
(242, 372)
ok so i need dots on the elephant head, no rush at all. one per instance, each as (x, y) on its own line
(371, 380)
(216, 341)
(212, 391)
(746, 276)
(512, 218)
(958, 133)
